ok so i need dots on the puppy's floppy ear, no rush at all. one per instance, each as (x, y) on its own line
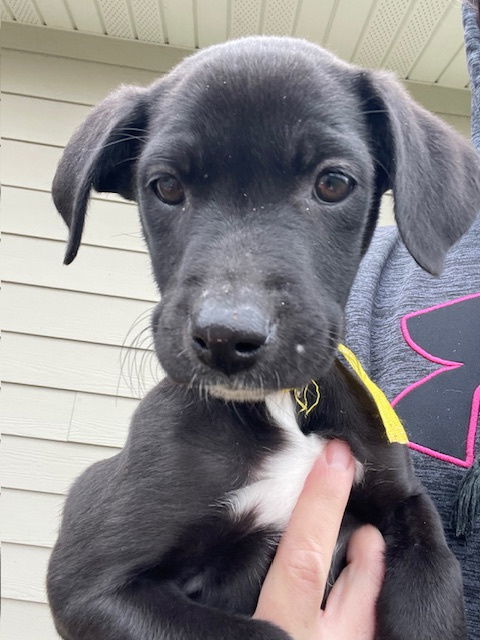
(100, 155)
(434, 173)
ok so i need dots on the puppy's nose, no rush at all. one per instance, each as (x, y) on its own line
(229, 337)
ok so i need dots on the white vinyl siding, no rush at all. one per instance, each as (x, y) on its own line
(67, 397)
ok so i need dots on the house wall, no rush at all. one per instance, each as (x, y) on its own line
(69, 386)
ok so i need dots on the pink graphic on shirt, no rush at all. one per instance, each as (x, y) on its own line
(446, 365)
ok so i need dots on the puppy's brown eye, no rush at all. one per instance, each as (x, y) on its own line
(169, 189)
(333, 186)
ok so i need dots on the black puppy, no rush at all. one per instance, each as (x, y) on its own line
(258, 167)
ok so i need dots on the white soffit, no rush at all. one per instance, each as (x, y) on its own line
(420, 40)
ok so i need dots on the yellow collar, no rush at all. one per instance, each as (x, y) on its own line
(393, 426)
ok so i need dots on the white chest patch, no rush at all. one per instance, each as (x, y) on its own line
(274, 492)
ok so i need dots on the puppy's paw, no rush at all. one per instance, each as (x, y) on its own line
(422, 597)
(262, 630)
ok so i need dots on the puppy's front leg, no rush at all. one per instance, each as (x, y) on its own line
(147, 550)
(158, 612)
(422, 596)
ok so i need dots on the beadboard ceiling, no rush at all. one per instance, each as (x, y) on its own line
(421, 40)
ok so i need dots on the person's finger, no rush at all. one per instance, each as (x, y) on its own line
(351, 604)
(294, 586)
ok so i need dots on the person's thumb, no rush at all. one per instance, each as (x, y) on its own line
(295, 584)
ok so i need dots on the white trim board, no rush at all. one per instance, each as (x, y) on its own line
(161, 58)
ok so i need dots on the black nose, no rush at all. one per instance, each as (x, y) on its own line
(229, 337)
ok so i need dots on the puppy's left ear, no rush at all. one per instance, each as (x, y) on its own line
(434, 173)
(101, 155)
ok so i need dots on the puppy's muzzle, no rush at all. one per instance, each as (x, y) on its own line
(228, 334)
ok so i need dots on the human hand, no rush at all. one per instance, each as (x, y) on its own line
(293, 589)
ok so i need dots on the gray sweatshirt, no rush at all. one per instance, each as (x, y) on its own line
(418, 336)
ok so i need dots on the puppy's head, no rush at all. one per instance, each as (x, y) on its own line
(258, 167)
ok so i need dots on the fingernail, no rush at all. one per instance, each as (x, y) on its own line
(337, 454)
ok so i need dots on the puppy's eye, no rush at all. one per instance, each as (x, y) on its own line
(333, 186)
(169, 189)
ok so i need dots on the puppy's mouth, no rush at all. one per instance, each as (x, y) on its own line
(238, 395)
(249, 362)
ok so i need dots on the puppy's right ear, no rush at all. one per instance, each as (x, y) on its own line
(101, 155)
